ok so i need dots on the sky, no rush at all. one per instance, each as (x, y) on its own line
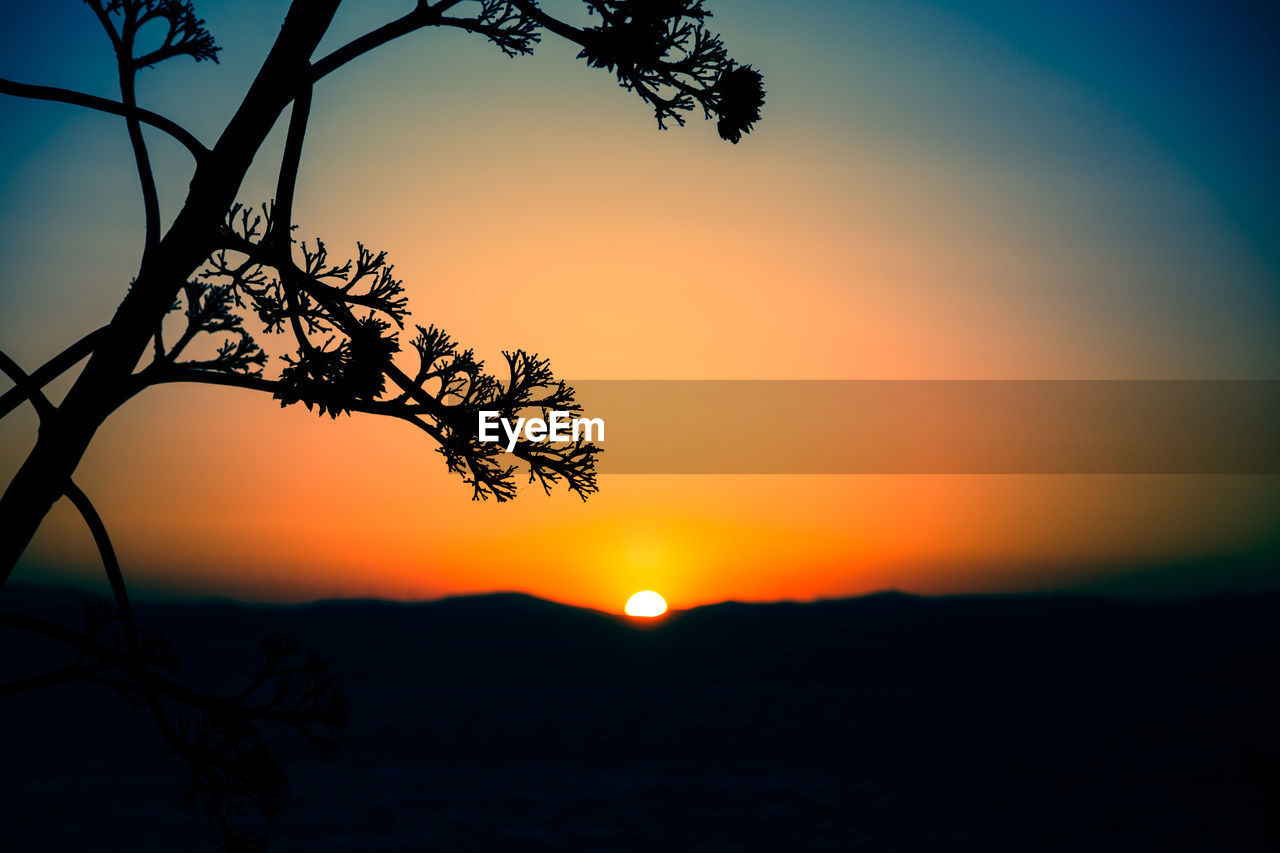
(961, 190)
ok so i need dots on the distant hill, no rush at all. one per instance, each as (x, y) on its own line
(889, 722)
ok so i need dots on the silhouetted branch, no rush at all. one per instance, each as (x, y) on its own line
(290, 161)
(664, 53)
(344, 318)
(185, 34)
(210, 309)
(28, 389)
(105, 105)
(51, 369)
(504, 24)
(499, 21)
(142, 160)
(423, 15)
(166, 375)
(223, 749)
(109, 561)
(343, 353)
(661, 51)
(78, 498)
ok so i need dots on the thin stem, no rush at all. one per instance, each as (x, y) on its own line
(422, 16)
(291, 161)
(177, 373)
(79, 499)
(109, 561)
(28, 389)
(104, 18)
(555, 25)
(51, 369)
(105, 105)
(150, 198)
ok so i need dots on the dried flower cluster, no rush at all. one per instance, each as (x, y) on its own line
(662, 50)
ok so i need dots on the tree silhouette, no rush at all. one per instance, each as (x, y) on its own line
(223, 266)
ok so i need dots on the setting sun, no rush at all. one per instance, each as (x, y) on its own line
(647, 604)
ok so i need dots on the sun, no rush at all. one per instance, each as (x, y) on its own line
(647, 604)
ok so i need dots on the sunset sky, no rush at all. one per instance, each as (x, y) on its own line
(963, 190)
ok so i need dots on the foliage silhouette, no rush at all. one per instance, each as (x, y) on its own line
(223, 266)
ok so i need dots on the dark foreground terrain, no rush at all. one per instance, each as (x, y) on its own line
(887, 723)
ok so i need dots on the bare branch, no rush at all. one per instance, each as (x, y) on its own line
(78, 498)
(146, 177)
(109, 561)
(105, 105)
(28, 389)
(51, 369)
(185, 36)
(142, 160)
(423, 15)
(279, 238)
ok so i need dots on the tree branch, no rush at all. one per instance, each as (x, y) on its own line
(27, 388)
(105, 105)
(555, 25)
(51, 369)
(79, 499)
(423, 15)
(177, 373)
(109, 561)
(146, 177)
(280, 238)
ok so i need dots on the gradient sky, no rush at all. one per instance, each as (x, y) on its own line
(937, 190)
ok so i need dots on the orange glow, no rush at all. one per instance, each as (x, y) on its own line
(382, 518)
(532, 205)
